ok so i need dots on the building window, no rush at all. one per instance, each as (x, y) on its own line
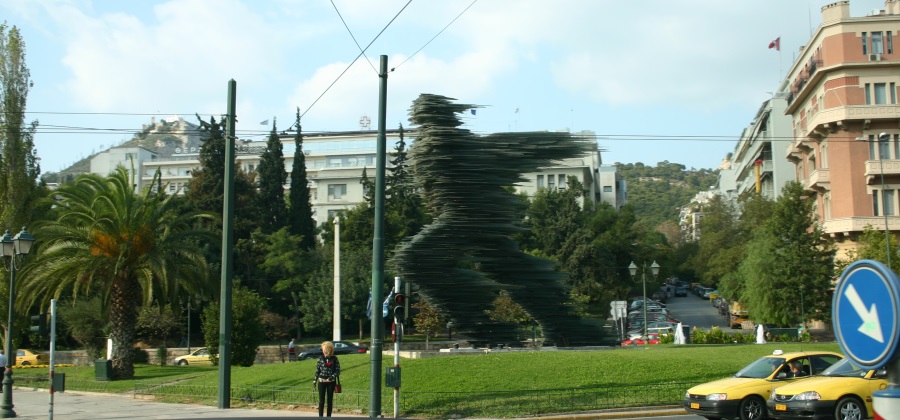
(877, 43)
(607, 188)
(551, 182)
(336, 191)
(893, 89)
(875, 209)
(884, 149)
(172, 188)
(540, 181)
(880, 94)
(889, 202)
(562, 181)
(890, 42)
(865, 40)
(333, 213)
(896, 146)
(868, 89)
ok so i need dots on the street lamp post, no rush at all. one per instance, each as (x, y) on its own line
(632, 268)
(13, 250)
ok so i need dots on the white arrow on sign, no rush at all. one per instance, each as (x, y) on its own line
(870, 326)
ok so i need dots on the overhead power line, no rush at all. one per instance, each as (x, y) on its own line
(435, 36)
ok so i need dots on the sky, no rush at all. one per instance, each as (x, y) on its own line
(656, 80)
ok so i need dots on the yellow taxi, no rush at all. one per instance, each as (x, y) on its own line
(843, 392)
(196, 357)
(25, 357)
(744, 394)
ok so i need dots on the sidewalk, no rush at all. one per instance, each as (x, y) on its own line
(77, 405)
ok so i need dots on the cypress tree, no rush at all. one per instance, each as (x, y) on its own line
(272, 178)
(301, 220)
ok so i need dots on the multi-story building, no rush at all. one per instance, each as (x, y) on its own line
(335, 162)
(757, 164)
(842, 96)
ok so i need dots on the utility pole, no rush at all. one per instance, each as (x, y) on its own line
(227, 246)
(336, 322)
(378, 249)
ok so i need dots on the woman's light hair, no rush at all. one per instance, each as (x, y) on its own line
(328, 348)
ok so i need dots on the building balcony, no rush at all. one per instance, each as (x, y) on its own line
(819, 180)
(874, 168)
(833, 118)
(857, 224)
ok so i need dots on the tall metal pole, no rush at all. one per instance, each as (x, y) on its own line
(227, 246)
(884, 137)
(644, 278)
(336, 324)
(378, 249)
(52, 352)
(6, 407)
(399, 337)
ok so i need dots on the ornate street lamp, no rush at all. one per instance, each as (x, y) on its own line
(632, 268)
(12, 251)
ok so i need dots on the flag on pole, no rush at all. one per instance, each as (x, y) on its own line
(473, 112)
(266, 122)
(369, 306)
(776, 44)
(387, 301)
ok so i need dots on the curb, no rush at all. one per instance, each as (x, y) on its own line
(619, 414)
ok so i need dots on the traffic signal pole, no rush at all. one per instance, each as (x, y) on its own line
(399, 323)
(375, 349)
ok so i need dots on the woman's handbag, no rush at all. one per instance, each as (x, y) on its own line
(337, 387)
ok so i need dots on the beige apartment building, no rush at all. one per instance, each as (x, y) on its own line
(842, 95)
(335, 162)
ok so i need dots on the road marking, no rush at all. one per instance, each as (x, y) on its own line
(870, 326)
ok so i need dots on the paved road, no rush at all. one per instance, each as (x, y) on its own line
(696, 312)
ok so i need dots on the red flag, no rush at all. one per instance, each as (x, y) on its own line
(776, 44)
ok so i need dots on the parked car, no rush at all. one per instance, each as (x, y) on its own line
(642, 341)
(744, 395)
(197, 357)
(842, 392)
(25, 357)
(340, 347)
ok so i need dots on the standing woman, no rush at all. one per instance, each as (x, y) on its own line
(328, 368)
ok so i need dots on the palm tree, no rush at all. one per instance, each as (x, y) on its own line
(128, 248)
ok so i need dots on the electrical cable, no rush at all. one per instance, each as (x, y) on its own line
(354, 60)
(432, 38)
(353, 37)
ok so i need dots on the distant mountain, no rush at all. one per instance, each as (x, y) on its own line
(164, 137)
(658, 193)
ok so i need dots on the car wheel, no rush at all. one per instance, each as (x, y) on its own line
(849, 408)
(182, 363)
(26, 363)
(753, 408)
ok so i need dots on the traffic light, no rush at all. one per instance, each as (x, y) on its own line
(399, 307)
(39, 324)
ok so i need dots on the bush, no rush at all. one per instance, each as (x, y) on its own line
(162, 353)
(246, 331)
(139, 355)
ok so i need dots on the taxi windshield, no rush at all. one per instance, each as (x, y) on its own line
(761, 368)
(846, 369)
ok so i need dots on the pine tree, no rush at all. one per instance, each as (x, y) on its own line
(301, 220)
(272, 178)
(19, 169)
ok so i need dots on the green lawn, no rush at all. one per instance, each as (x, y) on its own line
(497, 384)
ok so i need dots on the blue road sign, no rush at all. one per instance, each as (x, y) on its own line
(865, 313)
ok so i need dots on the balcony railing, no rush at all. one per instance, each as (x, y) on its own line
(874, 167)
(845, 225)
(820, 179)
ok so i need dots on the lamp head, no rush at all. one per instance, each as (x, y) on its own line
(655, 268)
(6, 245)
(23, 242)
(631, 267)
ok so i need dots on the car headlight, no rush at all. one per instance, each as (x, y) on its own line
(716, 397)
(808, 396)
(687, 394)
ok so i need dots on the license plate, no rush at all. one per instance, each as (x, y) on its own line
(780, 407)
(695, 406)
